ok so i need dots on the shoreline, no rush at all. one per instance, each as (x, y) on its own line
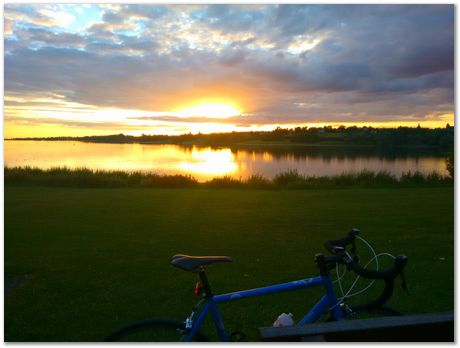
(244, 144)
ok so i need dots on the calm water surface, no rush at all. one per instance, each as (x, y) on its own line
(205, 162)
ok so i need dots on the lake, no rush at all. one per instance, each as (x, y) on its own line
(205, 163)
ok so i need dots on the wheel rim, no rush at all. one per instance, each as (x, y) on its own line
(152, 331)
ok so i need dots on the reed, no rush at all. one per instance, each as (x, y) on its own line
(291, 179)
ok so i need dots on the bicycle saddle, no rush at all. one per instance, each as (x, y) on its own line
(191, 263)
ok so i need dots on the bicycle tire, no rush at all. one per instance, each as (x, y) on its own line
(152, 331)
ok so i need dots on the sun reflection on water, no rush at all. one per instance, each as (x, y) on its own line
(210, 162)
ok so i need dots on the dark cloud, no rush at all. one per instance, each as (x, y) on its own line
(430, 58)
(231, 18)
(233, 57)
(48, 38)
(73, 123)
(101, 31)
(146, 11)
(113, 17)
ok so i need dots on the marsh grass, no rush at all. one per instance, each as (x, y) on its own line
(83, 177)
(225, 181)
(258, 181)
(291, 179)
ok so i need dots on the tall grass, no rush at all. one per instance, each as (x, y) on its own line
(291, 179)
(83, 177)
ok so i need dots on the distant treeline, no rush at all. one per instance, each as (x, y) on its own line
(287, 180)
(440, 138)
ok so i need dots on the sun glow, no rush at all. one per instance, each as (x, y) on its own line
(218, 110)
(209, 162)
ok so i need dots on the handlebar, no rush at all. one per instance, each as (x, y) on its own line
(337, 248)
(339, 244)
(389, 273)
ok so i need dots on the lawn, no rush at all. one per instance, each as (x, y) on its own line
(89, 260)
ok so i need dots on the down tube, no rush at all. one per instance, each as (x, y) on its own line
(329, 300)
(218, 321)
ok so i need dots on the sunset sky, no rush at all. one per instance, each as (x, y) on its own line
(89, 69)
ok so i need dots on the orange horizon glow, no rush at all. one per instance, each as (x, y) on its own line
(55, 116)
(27, 131)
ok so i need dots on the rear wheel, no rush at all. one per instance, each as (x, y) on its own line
(153, 331)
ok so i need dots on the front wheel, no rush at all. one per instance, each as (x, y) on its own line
(153, 331)
(383, 311)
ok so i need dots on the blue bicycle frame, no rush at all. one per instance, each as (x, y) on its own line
(328, 301)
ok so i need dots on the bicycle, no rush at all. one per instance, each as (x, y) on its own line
(166, 330)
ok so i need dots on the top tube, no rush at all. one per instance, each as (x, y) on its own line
(272, 289)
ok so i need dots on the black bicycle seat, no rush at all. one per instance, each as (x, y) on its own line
(191, 263)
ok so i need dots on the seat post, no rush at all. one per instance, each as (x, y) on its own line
(204, 283)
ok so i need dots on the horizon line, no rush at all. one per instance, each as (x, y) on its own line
(448, 125)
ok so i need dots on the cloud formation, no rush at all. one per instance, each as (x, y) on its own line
(279, 63)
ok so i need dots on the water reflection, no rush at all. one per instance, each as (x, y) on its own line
(206, 162)
(209, 162)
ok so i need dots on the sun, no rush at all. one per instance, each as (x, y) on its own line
(217, 110)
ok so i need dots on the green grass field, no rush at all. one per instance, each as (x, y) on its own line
(95, 259)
